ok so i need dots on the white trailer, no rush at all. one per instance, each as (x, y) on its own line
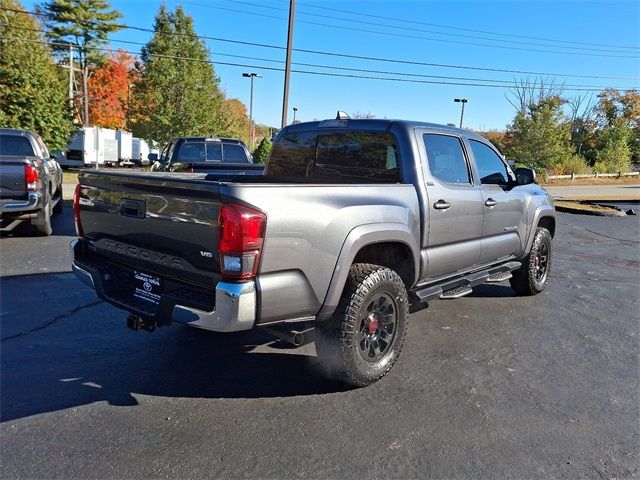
(107, 146)
(82, 149)
(139, 151)
(125, 146)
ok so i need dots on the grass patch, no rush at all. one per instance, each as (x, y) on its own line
(593, 181)
(69, 177)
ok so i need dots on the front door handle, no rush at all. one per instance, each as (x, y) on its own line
(490, 202)
(441, 205)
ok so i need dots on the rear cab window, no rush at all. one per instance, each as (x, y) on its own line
(213, 151)
(17, 145)
(351, 155)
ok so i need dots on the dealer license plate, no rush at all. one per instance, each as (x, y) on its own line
(147, 287)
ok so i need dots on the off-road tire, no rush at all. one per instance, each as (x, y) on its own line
(58, 207)
(527, 279)
(44, 216)
(364, 303)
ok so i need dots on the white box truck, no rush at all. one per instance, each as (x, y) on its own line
(82, 149)
(125, 145)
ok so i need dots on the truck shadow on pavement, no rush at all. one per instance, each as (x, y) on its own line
(70, 364)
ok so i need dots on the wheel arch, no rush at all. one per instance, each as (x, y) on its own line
(389, 244)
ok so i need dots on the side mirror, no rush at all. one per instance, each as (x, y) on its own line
(525, 176)
(152, 157)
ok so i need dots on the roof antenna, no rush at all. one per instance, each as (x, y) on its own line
(342, 115)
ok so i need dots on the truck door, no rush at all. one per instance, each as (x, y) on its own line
(455, 208)
(504, 205)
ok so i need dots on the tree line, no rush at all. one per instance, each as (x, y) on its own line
(561, 135)
(172, 90)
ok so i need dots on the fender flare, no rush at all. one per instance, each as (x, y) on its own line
(358, 238)
(541, 211)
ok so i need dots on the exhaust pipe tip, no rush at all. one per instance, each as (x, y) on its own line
(293, 337)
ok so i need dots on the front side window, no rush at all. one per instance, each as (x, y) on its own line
(15, 145)
(446, 158)
(492, 169)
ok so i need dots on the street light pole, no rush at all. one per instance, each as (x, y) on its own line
(251, 130)
(295, 109)
(463, 101)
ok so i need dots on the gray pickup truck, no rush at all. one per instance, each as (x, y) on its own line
(30, 181)
(353, 223)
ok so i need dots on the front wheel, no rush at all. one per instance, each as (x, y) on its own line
(363, 339)
(532, 277)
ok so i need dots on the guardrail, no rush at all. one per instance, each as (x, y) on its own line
(593, 175)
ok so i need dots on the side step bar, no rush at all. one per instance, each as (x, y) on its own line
(461, 286)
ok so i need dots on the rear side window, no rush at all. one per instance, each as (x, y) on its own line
(364, 155)
(368, 156)
(446, 158)
(15, 145)
(492, 169)
(293, 155)
(192, 152)
(234, 154)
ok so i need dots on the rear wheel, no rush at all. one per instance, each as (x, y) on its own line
(58, 207)
(363, 339)
(531, 278)
(44, 220)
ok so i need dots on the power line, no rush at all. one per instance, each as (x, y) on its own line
(415, 37)
(420, 30)
(463, 29)
(336, 67)
(306, 72)
(372, 58)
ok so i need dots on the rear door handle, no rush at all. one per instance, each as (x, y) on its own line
(490, 202)
(441, 205)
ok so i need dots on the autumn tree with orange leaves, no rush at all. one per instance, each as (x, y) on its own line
(111, 89)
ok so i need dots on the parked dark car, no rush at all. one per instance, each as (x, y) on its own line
(220, 156)
(30, 181)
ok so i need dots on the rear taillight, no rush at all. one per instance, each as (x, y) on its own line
(76, 210)
(240, 237)
(31, 178)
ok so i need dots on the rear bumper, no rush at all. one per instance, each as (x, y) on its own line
(234, 307)
(18, 206)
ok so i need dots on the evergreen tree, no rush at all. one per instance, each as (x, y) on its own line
(262, 153)
(179, 88)
(33, 96)
(84, 24)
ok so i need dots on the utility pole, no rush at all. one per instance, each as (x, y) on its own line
(463, 101)
(287, 70)
(251, 129)
(70, 77)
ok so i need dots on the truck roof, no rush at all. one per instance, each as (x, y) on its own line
(376, 124)
(211, 138)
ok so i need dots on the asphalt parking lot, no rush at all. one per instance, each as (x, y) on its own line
(488, 386)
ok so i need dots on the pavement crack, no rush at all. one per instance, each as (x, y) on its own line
(598, 233)
(52, 321)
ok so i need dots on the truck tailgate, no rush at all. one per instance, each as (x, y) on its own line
(12, 183)
(157, 223)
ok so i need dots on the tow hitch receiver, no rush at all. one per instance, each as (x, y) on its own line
(134, 322)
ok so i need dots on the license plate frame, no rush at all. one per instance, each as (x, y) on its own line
(147, 287)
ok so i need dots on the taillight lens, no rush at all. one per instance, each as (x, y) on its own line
(76, 210)
(31, 178)
(240, 237)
